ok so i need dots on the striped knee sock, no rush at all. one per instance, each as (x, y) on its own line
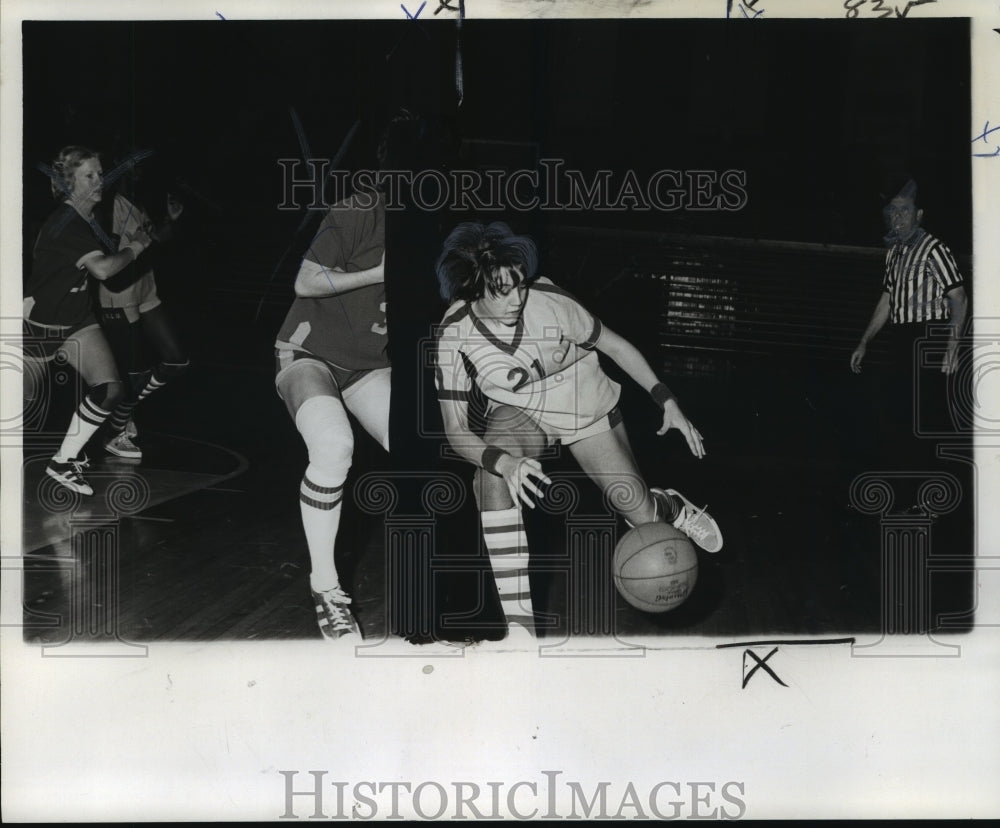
(507, 546)
(120, 416)
(320, 504)
(154, 384)
(86, 420)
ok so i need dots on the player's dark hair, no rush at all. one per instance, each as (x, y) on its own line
(475, 254)
(63, 167)
(401, 142)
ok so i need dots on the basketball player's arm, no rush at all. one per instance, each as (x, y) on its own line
(315, 281)
(105, 265)
(629, 358)
(958, 303)
(879, 317)
(517, 472)
(453, 387)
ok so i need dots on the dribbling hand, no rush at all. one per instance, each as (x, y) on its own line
(673, 417)
(520, 474)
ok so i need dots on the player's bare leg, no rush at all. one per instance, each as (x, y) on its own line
(608, 460)
(503, 525)
(368, 400)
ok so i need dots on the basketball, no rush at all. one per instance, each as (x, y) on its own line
(655, 567)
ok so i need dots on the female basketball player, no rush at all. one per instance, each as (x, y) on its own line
(530, 349)
(331, 359)
(59, 319)
(131, 312)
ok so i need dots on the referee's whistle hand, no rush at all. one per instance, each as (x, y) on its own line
(856, 357)
(950, 364)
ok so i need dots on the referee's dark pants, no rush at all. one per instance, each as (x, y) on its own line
(915, 401)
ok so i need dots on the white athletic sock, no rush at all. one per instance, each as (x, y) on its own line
(326, 430)
(86, 420)
(320, 503)
(507, 545)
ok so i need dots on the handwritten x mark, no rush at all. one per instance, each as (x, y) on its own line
(761, 663)
(414, 16)
(982, 137)
(755, 13)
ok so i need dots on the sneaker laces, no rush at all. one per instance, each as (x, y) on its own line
(80, 463)
(335, 602)
(689, 525)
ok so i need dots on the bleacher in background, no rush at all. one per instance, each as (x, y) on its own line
(711, 306)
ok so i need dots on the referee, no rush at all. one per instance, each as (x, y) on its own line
(922, 291)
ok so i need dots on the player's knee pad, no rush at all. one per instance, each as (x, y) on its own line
(167, 371)
(323, 424)
(108, 396)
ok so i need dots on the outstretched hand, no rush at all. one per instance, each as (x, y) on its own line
(520, 474)
(673, 417)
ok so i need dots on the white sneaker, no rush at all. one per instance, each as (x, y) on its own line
(70, 473)
(122, 446)
(334, 616)
(696, 523)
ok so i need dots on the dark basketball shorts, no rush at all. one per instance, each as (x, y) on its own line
(42, 342)
(288, 359)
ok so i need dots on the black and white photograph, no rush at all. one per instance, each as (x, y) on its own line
(478, 411)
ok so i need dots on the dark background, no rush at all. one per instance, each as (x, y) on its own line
(824, 117)
(818, 113)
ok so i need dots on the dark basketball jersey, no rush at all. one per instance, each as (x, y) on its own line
(56, 292)
(347, 329)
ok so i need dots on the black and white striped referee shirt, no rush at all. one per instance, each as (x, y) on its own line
(918, 274)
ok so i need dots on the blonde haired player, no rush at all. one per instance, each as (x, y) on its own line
(530, 349)
(59, 320)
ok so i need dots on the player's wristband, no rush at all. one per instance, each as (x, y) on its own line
(491, 456)
(661, 394)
